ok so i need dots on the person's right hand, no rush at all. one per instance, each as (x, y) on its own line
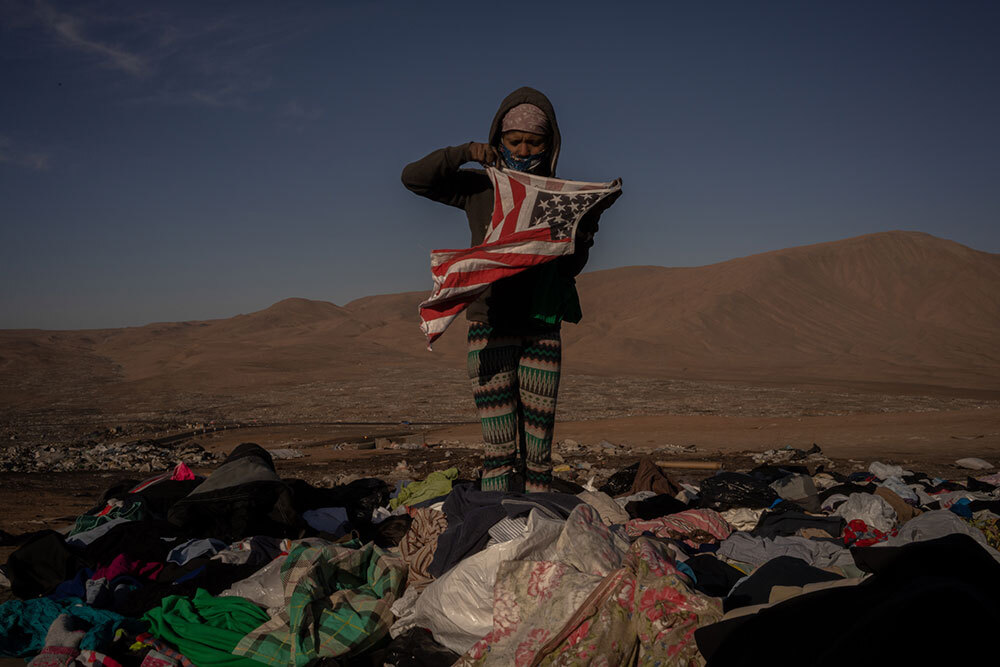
(484, 154)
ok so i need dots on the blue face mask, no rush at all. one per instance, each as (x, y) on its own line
(528, 165)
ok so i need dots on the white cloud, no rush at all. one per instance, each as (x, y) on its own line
(295, 110)
(71, 31)
(179, 55)
(9, 154)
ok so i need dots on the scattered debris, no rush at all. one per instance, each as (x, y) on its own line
(285, 453)
(141, 456)
(973, 463)
(788, 454)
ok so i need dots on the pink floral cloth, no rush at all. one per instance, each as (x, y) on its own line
(693, 527)
(644, 611)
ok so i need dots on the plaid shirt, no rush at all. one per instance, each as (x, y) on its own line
(337, 602)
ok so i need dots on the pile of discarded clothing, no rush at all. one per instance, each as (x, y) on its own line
(779, 565)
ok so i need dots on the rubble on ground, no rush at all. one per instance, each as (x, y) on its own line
(142, 456)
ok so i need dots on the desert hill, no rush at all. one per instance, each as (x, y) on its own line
(889, 307)
(899, 308)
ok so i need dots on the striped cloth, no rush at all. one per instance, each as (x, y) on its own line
(337, 603)
(693, 527)
(418, 545)
(534, 221)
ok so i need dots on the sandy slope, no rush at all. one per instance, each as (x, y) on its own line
(896, 311)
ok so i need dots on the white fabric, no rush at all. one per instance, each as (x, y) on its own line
(611, 512)
(263, 587)
(742, 518)
(833, 500)
(458, 607)
(974, 463)
(883, 470)
(872, 509)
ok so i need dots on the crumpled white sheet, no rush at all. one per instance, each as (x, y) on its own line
(742, 518)
(610, 511)
(263, 587)
(833, 500)
(973, 463)
(901, 489)
(404, 609)
(872, 509)
(883, 470)
(637, 496)
(458, 607)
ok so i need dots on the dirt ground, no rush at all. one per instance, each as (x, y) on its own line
(328, 454)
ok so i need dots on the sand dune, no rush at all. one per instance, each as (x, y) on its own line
(894, 308)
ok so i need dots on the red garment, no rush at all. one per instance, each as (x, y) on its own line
(122, 565)
(859, 534)
(182, 473)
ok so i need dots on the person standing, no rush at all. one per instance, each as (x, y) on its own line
(515, 349)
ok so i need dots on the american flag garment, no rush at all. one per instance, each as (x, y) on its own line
(534, 221)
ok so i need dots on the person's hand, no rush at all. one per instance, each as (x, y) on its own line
(484, 154)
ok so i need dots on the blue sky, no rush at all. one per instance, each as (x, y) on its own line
(165, 161)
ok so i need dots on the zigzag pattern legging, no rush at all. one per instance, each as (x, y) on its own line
(515, 381)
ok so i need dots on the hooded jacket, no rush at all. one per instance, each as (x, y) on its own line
(511, 303)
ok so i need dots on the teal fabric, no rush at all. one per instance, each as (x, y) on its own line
(554, 298)
(24, 624)
(135, 510)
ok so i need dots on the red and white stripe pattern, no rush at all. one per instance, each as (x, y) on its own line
(534, 221)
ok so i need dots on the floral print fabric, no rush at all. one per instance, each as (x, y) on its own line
(644, 611)
(693, 527)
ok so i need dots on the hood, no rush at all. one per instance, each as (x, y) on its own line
(528, 96)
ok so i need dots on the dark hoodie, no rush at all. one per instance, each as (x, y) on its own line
(512, 303)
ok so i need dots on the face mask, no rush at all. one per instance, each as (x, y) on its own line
(528, 164)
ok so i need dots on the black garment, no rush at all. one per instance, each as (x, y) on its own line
(471, 513)
(415, 648)
(780, 571)
(973, 484)
(944, 486)
(149, 541)
(160, 497)
(621, 481)
(991, 505)
(715, 577)
(952, 580)
(652, 508)
(768, 473)
(242, 498)
(728, 490)
(560, 485)
(391, 532)
(359, 498)
(773, 524)
(41, 564)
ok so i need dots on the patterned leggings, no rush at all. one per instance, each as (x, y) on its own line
(515, 380)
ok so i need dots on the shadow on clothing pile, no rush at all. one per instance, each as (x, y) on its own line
(781, 565)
